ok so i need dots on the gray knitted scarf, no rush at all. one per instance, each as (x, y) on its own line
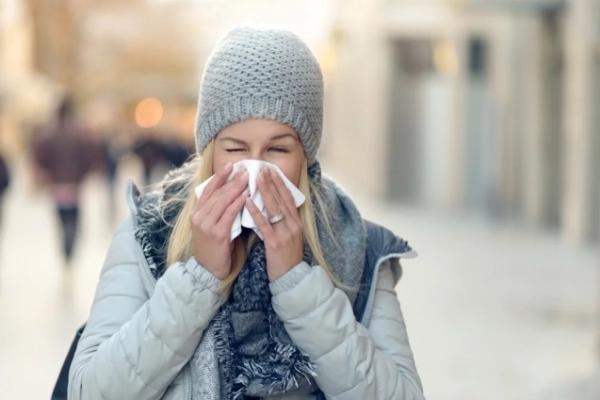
(255, 357)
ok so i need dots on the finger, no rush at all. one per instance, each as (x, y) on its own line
(232, 211)
(205, 202)
(232, 184)
(271, 203)
(261, 222)
(284, 194)
(288, 221)
(227, 194)
(217, 181)
(205, 206)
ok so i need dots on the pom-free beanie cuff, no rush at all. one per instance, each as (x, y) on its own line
(259, 107)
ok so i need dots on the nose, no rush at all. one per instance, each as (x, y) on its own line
(257, 155)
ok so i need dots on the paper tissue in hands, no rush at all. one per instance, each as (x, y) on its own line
(244, 218)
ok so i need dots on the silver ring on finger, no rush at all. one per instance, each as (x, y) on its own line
(276, 218)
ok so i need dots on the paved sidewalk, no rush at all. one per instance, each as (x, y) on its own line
(496, 311)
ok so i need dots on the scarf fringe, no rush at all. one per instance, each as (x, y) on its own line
(300, 368)
(224, 349)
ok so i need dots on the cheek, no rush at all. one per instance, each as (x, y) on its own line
(292, 172)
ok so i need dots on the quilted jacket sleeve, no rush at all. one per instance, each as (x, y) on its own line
(353, 361)
(134, 342)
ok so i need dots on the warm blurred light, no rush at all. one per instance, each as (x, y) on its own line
(148, 112)
(328, 59)
(445, 57)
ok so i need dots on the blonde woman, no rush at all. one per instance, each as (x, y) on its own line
(305, 310)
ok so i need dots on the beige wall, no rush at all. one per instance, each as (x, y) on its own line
(581, 36)
(546, 127)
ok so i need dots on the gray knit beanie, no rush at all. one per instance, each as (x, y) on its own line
(261, 73)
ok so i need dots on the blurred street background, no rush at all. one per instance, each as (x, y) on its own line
(471, 128)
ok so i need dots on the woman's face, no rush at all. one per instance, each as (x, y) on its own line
(260, 139)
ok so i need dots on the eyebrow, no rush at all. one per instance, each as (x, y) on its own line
(271, 139)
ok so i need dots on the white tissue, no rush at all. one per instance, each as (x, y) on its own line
(244, 218)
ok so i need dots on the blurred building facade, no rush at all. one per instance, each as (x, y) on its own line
(487, 106)
(25, 95)
(114, 54)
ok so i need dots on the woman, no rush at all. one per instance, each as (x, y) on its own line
(308, 312)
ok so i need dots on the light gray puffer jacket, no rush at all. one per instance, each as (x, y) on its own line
(141, 332)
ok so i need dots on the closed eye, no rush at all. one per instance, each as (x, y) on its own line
(278, 149)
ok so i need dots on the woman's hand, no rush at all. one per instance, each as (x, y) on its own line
(212, 218)
(284, 239)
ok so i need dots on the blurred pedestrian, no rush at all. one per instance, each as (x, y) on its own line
(149, 149)
(111, 152)
(63, 155)
(4, 184)
(176, 152)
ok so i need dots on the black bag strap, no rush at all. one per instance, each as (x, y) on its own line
(60, 388)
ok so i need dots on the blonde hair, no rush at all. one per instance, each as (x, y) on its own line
(179, 247)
